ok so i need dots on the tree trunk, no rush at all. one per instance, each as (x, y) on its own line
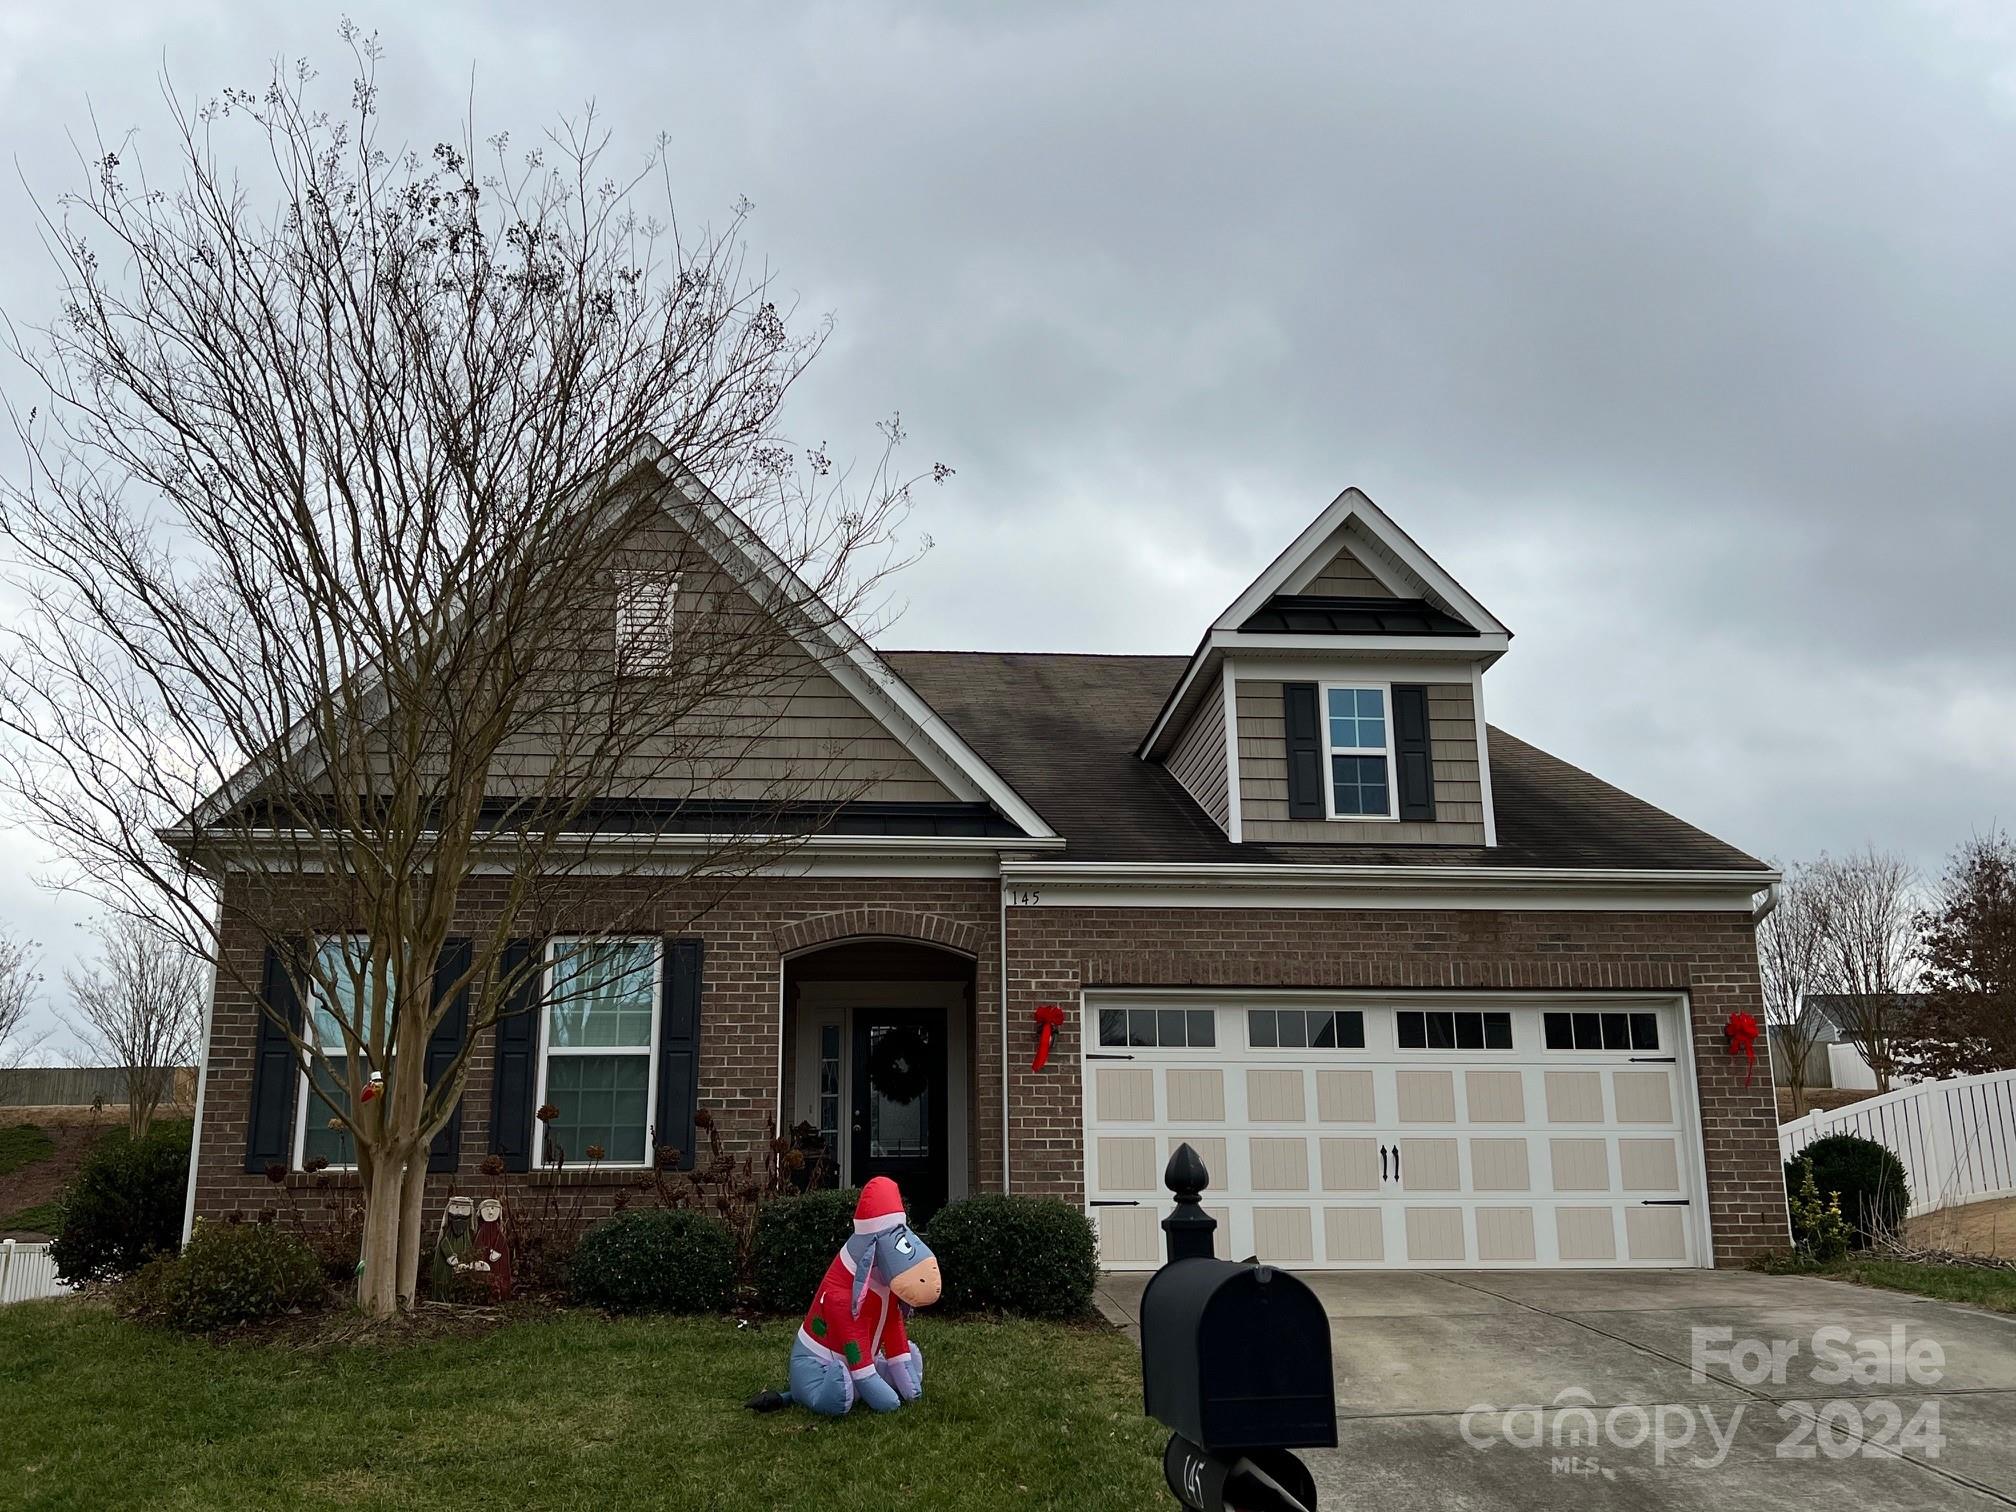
(377, 1285)
(412, 1194)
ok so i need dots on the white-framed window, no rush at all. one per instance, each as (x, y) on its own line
(1358, 750)
(598, 1050)
(645, 605)
(341, 960)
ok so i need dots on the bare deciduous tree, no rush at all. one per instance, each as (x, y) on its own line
(1792, 946)
(138, 1008)
(20, 975)
(1871, 956)
(373, 584)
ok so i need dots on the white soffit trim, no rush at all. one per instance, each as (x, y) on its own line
(873, 682)
(1120, 884)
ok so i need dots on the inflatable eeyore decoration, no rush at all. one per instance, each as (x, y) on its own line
(852, 1342)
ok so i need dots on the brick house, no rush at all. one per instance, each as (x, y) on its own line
(1420, 993)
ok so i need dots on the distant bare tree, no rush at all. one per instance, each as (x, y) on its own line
(1871, 955)
(1792, 947)
(138, 1008)
(20, 975)
(366, 552)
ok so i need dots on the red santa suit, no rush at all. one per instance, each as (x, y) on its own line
(847, 1348)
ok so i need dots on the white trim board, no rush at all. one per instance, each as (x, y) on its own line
(1041, 884)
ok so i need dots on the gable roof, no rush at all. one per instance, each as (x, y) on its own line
(851, 661)
(1284, 609)
(1351, 521)
(1065, 730)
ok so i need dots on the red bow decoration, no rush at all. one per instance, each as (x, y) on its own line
(1741, 1031)
(1048, 1017)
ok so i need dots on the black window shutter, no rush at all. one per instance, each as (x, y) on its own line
(1304, 726)
(517, 1070)
(276, 1071)
(679, 1049)
(1411, 753)
(444, 1045)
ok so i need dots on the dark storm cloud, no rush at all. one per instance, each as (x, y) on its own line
(1682, 336)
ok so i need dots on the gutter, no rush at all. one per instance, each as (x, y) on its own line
(1332, 875)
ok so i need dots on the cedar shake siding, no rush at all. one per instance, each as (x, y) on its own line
(1346, 577)
(1198, 762)
(1263, 775)
(774, 724)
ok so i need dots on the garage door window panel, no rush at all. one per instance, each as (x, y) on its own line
(1304, 1029)
(1158, 1028)
(1453, 1030)
(1601, 1031)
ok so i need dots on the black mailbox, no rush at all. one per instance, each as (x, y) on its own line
(1237, 1356)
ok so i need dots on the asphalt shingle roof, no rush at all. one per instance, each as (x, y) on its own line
(1063, 730)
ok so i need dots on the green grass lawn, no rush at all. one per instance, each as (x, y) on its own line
(1992, 1289)
(566, 1410)
(23, 1144)
(39, 1219)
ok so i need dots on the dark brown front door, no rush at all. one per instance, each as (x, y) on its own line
(899, 1104)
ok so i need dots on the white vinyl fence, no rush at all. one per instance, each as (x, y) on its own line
(1957, 1138)
(27, 1271)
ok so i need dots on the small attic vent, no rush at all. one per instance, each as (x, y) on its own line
(644, 619)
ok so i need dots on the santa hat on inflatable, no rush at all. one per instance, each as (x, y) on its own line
(880, 1207)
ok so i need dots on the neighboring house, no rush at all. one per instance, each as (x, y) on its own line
(1419, 993)
(1826, 1023)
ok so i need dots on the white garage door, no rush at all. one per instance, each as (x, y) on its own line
(1342, 1131)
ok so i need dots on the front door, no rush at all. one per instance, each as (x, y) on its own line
(899, 1104)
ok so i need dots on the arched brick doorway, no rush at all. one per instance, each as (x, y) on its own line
(878, 1051)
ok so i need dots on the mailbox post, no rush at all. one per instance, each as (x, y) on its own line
(1235, 1361)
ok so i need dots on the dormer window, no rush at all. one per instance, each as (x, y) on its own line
(1358, 738)
(644, 619)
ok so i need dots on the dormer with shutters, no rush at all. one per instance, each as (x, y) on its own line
(1340, 699)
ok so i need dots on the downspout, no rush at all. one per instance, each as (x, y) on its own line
(1001, 969)
(1764, 909)
(202, 1084)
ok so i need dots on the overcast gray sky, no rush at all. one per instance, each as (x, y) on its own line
(1681, 335)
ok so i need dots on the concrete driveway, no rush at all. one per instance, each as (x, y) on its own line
(1433, 1369)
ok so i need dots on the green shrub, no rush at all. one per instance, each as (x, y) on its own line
(125, 1207)
(661, 1259)
(796, 1239)
(1818, 1229)
(1032, 1256)
(228, 1273)
(1867, 1178)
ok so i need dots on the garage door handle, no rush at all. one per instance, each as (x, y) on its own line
(1396, 1162)
(1665, 1202)
(1382, 1162)
(1129, 1202)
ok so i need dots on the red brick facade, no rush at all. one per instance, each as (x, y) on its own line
(1056, 952)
